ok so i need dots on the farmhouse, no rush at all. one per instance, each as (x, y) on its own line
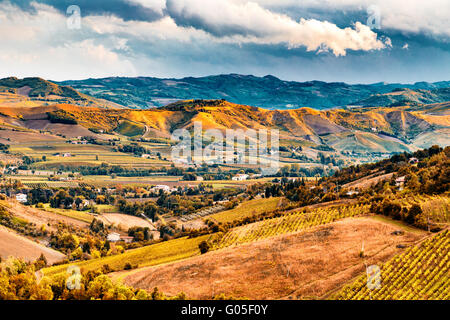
(162, 187)
(413, 161)
(67, 155)
(352, 192)
(146, 156)
(85, 203)
(400, 182)
(127, 239)
(240, 177)
(22, 198)
(113, 237)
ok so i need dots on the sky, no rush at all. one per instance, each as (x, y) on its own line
(300, 40)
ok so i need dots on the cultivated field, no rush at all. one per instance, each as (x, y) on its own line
(125, 221)
(74, 214)
(420, 273)
(291, 222)
(12, 244)
(247, 209)
(41, 217)
(303, 265)
(159, 253)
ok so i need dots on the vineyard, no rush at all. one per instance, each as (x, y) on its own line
(159, 253)
(292, 222)
(52, 184)
(435, 208)
(420, 273)
(247, 209)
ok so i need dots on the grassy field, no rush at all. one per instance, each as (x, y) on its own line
(156, 254)
(130, 129)
(106, 208)
(78, 215)
(246, 209)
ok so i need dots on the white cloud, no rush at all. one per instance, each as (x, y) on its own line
(249, 22)
(415, 16)
(41, 45)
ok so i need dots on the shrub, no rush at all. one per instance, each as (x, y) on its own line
(204, 247)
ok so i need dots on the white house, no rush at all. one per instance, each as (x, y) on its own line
(67, 155)
(146, 156)
(22, 198)
(240, 177)
(400, 182)
(127, 239)
(85, 203)
(163, 187)
(352, 192)
(113, 237)
(413, 161)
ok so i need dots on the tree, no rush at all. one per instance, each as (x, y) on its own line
(414, 212)
(204, 247)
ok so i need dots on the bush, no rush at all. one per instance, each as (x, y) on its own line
(204, 247)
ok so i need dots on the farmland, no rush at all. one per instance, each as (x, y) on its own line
(420, 273)
(74, 214)
(247, 209)
(80, 155)
(303, 265)
(12, 244)
(159, 253)
(123, 221)
(295, 221)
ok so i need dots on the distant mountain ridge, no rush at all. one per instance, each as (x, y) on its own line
(38, 91)
(266, 92)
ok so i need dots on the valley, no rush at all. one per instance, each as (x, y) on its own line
(92, 185)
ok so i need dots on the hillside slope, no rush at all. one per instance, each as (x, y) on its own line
(35, 91)
(358, 129)
(266, 92)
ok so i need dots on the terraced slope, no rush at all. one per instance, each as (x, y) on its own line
(420, 273)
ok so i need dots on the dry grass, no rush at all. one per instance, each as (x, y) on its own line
(12, 244)
(41, 217)
(124, 221)
(307, 264)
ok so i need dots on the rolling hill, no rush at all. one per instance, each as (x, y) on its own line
(266, 92)
(39, 92)
(360, 130)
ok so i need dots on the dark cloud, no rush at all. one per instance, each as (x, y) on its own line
(124, 9)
